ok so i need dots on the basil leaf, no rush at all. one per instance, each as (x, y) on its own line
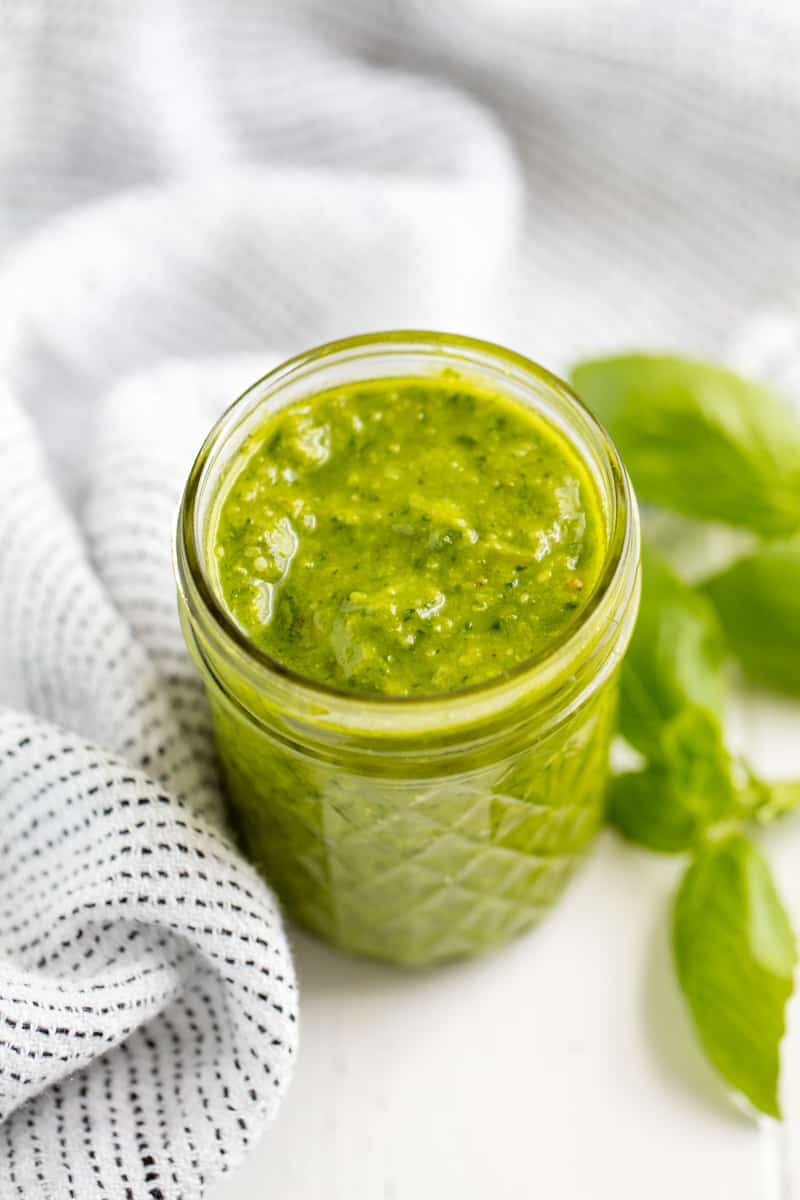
(700, 439)
(643, 807)
(735, 955)
(674, 659)
(693, 747)
(668, 806)
(758, 602)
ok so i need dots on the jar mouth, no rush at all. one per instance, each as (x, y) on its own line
(560, 659)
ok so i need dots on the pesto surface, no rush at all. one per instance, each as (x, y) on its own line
(407, 537)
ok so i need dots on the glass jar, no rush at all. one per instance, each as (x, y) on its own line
(414, 829)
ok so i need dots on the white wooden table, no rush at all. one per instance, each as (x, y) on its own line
(562, 1067)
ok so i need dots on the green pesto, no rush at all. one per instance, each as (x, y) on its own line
(407, 537)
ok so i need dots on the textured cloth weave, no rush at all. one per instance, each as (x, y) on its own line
(183, 186)
(147, 998)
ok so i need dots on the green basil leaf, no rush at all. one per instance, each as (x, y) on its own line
(693, 746)
(700, 439)
(735, 955)
(668, 806)
(675, 657)
(643, 807)
(758, 602)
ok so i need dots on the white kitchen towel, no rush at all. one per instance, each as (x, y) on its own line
(147, 998)
(182, 180)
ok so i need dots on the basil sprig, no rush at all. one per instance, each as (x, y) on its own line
(704, 442)
(734, 949)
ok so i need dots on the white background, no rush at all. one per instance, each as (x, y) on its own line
(561, 1067)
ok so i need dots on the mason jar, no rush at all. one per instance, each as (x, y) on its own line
(418, 828)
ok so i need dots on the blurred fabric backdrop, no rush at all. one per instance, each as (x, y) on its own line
(193, 178)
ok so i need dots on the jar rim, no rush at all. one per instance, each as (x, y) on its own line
(553, 661)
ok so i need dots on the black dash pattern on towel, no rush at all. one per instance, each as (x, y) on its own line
(147, 995)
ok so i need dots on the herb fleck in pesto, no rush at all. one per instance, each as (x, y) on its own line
(401, 536)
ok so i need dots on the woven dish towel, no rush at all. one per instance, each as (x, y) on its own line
(147, 997)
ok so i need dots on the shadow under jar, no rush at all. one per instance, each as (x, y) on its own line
(414, 828)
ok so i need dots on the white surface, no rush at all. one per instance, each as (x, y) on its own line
(562, 1067)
